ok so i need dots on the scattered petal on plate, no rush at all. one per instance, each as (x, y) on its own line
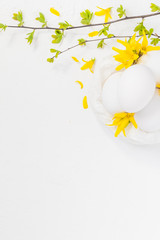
(80, 83)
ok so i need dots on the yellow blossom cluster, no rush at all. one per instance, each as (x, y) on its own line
(122, 120)
(134, 50)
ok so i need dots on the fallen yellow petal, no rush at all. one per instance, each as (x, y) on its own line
(75, 59)
(80, 83)
(85, 104)
(93, 34)
(55, 12)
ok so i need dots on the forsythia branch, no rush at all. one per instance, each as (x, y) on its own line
(100, 39)
(89, 25)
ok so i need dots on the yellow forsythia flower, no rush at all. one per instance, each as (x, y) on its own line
(122, 120)
(85, 104)
(55, 12)
(105, 12)
(145, 48)
(75, 59)
(88, 65)
(80, 83)
(93, 34)
(134, 50)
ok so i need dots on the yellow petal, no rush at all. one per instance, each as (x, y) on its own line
(55, 12)
(118, 131)
(144, 43)
(84, 60)
(80, 83)
(75, 59)
(133, 122)
(85, 104)
(152, 48)
(88, 65)
(85, 66)
(93, 34)
(100, 13)
(100, 8)
(120, 67)
(124, 133)
(120, 115)
(107, 15)
(124, 43)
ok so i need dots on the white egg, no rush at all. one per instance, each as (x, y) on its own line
(136, 88)
(152, 60)
(109, 94)
(148, 119)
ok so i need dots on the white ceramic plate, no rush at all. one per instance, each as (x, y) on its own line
(104, 69)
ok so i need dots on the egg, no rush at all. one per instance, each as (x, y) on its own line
(148, 119)
(136, 88)
(109, 94)
(152, 60)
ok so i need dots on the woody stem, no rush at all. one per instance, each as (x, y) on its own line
(99, 39)
(89, 25)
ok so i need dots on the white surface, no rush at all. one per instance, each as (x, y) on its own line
(61, 176)
(149, 118)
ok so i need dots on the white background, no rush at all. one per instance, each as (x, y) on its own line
(61, 176)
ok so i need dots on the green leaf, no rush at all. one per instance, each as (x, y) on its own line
(64, 25)
(101, 44)
(42, 19)
(53, 50)
(110, 35)
(50, 60)
(155, 41)
(57, 52)
(30, 37)
(3, 27)
(121, 11)
(82, 42)
(18, 17)
(86, 17)
(57, 37)
(140, 28)
(155, 8)
(150, 32)
(104, 30)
